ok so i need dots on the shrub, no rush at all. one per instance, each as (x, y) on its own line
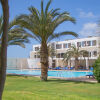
(96, 70)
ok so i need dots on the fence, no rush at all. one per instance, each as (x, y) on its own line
(22, 63)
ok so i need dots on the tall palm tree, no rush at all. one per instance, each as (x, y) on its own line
(42, 25)
(3, 54)
(16, 34)
(74, 52)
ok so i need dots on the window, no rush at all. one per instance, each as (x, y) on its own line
(89, 54)
(58, 46)
(86, 54)
(83, 43)
(94, 43)
(65, 45)
(34, 56)
(69, 45)
(58, 55)
(78, 44)
(94, 53)
(36, 48)
(52, 45)
(88, 43)
(62, 55)
(38, 56)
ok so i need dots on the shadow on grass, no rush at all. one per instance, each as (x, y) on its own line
(54, 80)
(68, 81)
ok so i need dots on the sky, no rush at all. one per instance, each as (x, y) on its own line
(86, 13)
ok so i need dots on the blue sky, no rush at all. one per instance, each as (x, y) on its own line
(86, 13)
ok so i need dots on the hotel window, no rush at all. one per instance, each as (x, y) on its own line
(65, 45)
(58, 55)
(78, 44)
(89, 54)
(36, 48)
(94, 53)
(58, 46)
(38, 56)
(86, 54)
(34, 56)
(94, 43)
(62, 55)
(53, 45)
(83, 43)
(88, 43)
(69, 45)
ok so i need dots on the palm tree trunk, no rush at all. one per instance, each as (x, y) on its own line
(76, 63)
(44, 61)
(52, 62)
(3, 54)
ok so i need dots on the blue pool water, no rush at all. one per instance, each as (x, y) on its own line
(67, 74)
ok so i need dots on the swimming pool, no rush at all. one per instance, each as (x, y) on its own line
(65, 74)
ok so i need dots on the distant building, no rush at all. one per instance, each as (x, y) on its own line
(91, 44)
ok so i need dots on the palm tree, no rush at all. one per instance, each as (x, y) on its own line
(42, 25)
(16, 34)
(74, 52)
(3, 54)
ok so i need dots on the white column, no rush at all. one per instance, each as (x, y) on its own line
(87, 63)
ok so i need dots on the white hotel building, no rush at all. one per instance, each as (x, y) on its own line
(91, 44)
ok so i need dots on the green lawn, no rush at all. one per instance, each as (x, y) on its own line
(31, 88)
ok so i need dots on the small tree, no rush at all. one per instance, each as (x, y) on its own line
(96, 70)
(74, 52)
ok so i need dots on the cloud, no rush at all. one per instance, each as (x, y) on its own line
(83, 14)
(89, 29)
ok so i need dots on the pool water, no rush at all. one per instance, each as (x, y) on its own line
(65, 74)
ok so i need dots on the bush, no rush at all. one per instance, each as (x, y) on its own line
(96, 70)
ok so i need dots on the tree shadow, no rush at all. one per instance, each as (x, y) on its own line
(68, 81)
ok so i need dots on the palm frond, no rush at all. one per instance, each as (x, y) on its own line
(57, 35)
(35, 13)
(12, 23)
(42, 10)
(17, 43)
(47, 7)
(43, 24)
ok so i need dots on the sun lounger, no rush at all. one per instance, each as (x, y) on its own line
(57, 68)
(65, 68)
(90, 75)
(71, 68)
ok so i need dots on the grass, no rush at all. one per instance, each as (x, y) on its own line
(31, 88)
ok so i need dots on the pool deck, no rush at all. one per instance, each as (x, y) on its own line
(60, 70)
